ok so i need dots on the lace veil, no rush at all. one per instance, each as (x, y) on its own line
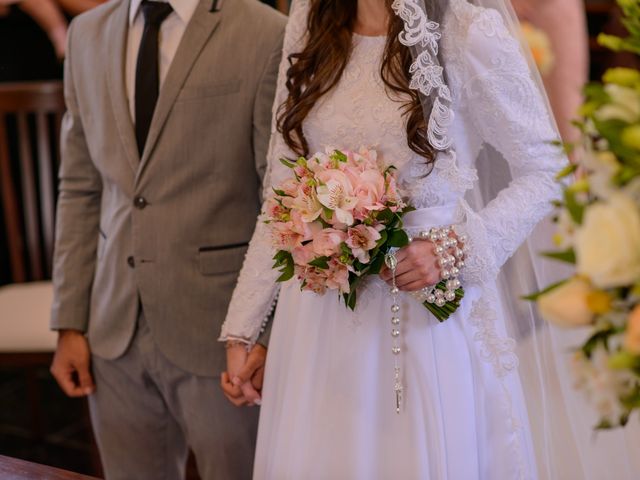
(561, 420)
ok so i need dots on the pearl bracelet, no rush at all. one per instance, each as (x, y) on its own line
(450, 251)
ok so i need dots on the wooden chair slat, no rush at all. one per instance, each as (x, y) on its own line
(10, 209)
(29, 197)
(47, 200)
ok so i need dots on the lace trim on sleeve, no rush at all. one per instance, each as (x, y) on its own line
(255, 295)
(510, 114)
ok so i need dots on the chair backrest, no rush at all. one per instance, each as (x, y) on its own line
(30, 118)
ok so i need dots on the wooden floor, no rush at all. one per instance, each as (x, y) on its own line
(64, 440)
(14, 469)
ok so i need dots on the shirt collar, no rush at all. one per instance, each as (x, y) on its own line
(183, 8)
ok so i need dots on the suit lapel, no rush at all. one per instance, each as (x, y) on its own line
(118, 30)
(198, 31)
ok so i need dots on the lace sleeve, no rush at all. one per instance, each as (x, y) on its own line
(509, 112)
(256, 293)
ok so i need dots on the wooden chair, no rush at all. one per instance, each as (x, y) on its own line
(30, 118)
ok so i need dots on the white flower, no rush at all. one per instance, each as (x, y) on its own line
(607, 243)
(336, 194)
(625, 105)
(567, 305)
(602, 167)
(564, 237)
(602, 385)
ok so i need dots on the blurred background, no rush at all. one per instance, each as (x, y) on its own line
(37, 422)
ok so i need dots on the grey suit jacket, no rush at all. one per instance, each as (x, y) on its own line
(170, 229)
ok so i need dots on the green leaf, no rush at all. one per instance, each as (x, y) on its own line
(385, 216)
(320, 262)
(568, 256)
(398, 239)
(533, 297)
(339, 156)
(287, 163)
(575, 209)
(351, 297)
(376, 264)
(383, 238)
(280, 193)
(601, 337)
(623, 360)
(566, 171)
(284, 264)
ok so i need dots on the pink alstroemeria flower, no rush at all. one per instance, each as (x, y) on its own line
(326, 242)
(336, 193)
(284, 237)
(337, 277)
(362, 239)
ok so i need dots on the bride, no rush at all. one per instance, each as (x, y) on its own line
(441, 90)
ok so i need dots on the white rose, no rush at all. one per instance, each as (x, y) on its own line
(567, 304)
(602, 167)
(607, 244)
(625, 105)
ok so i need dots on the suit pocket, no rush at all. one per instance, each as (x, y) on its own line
(207, 91)
(102, 240)
(223, 259)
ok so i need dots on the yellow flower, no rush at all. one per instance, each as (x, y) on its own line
(632, 335)
(567, 305)
(540, 47)
(631, 136)
(599, 302)
(626, 77)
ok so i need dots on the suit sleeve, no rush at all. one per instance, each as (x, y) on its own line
(78, 215)
(262, 111)
(255, 295)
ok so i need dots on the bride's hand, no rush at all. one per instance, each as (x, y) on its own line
(417, 267)
(238, 390)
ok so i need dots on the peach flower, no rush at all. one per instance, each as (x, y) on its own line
(361, 239)
(326, 242)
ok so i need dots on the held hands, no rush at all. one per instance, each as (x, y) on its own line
(71, 364)
(242, 382)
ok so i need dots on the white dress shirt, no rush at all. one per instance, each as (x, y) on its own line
(171, 32)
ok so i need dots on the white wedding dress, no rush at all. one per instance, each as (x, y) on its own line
(328, 402)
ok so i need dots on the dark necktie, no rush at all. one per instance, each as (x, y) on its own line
(147, 69)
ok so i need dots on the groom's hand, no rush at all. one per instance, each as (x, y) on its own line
(243, 379)
(253, 371)
(71, 364)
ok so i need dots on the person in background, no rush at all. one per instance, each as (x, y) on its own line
(564, 22)
(50, 15)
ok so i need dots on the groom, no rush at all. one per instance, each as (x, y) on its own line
(163, 150)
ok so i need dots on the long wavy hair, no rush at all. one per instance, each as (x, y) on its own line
(319, 66)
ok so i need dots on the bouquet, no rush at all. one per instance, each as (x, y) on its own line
(335, 220)
(599, 233)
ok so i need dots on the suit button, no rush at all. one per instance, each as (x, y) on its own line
(140, 202)
(131, 262)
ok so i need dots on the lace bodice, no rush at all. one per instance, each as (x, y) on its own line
(495, 101)
(359, 112)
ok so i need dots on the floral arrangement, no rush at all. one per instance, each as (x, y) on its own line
(540, 47)
(334, 221)
(599, 232)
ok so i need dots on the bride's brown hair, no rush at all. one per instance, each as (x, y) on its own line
(318, 67)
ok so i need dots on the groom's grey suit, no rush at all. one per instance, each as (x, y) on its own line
(148, 249)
